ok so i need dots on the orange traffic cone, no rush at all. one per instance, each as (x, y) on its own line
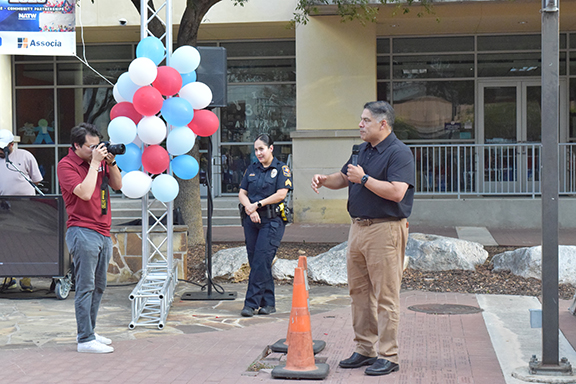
(300, 362)
(281, 346)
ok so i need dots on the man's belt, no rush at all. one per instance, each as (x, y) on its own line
(367, 222)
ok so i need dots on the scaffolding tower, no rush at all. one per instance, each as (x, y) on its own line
(152, 297)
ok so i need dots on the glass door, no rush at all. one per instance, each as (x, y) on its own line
(510, 127)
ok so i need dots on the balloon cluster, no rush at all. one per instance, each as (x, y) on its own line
(156, 103)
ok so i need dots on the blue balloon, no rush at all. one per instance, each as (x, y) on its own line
(188, 77)
(177, 111)
(126, 86)
(180, 141)
(152, 48)
(165, 188)
(131, 160)
(185, 167)
(122, 130)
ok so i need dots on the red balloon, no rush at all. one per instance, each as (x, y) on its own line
(168, 81)
(125, 108)
(148, 101)
(205, 123)
(155, 159)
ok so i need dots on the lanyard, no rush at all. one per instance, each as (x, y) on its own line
(104, 192)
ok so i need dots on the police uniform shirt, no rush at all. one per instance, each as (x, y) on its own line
(389, 160)
(262, 182)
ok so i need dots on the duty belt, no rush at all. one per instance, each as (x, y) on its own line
(367, 222)
(268, 211)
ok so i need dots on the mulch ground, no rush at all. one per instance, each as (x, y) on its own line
(483, 280)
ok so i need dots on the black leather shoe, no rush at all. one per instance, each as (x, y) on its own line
(248, 312)
(357, 360)
(267, 310)
(382, 367)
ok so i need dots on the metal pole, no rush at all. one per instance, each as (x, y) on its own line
(550, 95)
(209, 212)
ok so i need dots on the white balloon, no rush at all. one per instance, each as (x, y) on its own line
(180, 141)
(136, 184)
(152, 130)
(126, 87)
(185, 59)
(142, 71)
(198, 94)
(117, 96)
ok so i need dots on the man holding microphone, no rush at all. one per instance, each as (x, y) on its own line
(380, 197)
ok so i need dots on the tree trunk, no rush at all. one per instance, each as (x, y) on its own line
(188, 200)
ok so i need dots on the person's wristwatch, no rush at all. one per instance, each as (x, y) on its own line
(364, 179)
(259, 205)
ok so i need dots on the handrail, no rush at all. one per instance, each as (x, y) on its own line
(488, 169)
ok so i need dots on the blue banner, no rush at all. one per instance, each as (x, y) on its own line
(38, 27)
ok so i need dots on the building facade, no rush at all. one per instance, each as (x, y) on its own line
(464, 81)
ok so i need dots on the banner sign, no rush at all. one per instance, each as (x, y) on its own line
(38, 27)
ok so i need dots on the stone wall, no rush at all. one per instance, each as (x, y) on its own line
(126, 263)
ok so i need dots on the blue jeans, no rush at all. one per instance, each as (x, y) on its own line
(262, 241)
(91, 252)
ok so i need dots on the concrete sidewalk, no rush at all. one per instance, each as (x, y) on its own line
(209, 342)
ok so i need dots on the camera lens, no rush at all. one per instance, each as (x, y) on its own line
(116, 149)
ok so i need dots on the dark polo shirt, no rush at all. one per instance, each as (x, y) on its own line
(389, 160)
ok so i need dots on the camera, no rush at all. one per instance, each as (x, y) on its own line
(122, 21)
(115, 149)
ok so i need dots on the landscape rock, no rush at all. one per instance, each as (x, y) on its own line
(283, 269)
(424, 252)
(527, 262)
(439, 253)
(231, 264)
(329, 267)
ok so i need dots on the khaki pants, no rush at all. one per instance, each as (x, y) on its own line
(375, 261)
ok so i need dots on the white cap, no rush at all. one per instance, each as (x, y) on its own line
(6, 137)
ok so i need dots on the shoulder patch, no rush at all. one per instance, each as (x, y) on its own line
(286, 170)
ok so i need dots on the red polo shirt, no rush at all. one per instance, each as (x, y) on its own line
(72, 170)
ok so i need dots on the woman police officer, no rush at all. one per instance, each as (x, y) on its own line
(264, 185)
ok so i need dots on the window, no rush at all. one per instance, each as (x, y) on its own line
(261, 99)
(434, 110)
(431, 81)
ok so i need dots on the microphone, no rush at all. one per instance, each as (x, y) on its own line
(355, 150)
(6, 151)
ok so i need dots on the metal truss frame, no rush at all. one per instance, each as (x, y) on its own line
(152, 297)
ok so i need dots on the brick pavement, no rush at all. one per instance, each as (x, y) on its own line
(453, 349)
(435, 349)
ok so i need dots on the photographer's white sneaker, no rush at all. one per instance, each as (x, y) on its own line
(94, 347)
(100, 339)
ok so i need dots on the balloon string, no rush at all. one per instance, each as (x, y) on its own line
(84, 61)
